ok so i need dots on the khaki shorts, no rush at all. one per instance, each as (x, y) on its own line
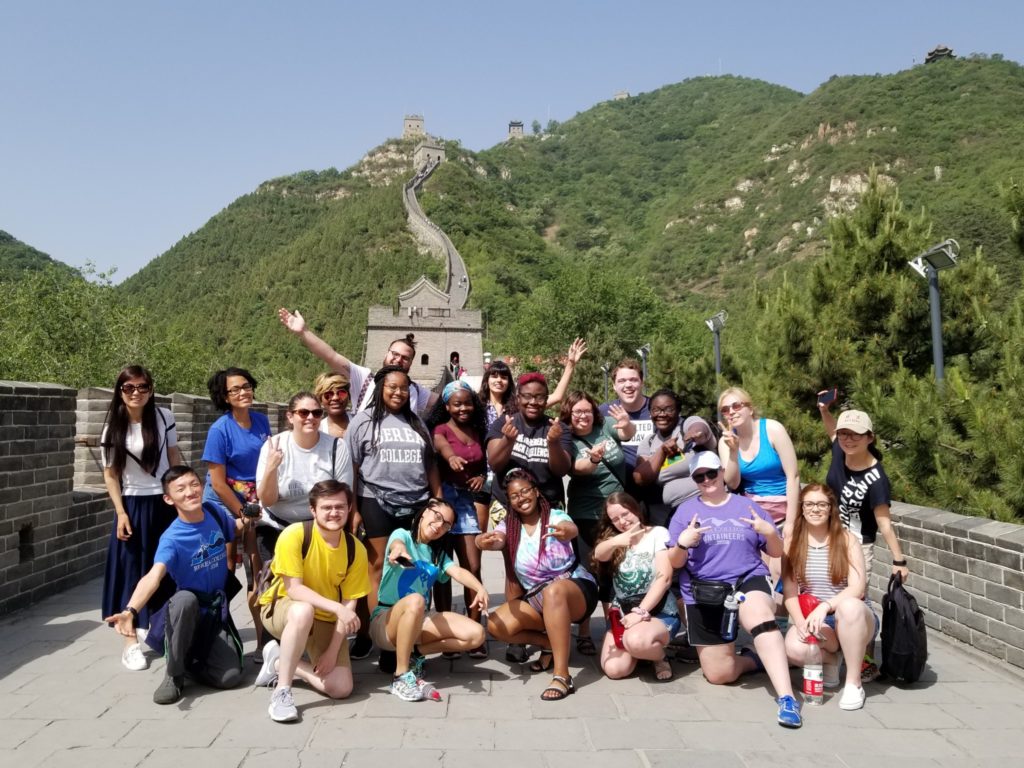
(319, 636)
(869, 557)
(379, 631)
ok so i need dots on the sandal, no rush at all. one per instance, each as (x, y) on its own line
(565, 688)
(662, 670)
(543, 662)
(585, 645)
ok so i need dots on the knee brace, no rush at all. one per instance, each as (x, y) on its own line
(767, 626)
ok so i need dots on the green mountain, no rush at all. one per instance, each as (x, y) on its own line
(18, 258)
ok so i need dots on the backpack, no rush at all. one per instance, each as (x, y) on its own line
(265, 579)
(904, 639)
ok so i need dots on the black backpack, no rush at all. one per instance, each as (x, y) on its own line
(904, 639)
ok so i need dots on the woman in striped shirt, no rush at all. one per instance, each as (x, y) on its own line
(824, 578)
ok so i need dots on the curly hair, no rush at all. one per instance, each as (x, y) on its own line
(218, 386)
(514, 525)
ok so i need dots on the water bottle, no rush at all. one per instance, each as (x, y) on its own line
(615, 625)
(731, 615)
(814, 673)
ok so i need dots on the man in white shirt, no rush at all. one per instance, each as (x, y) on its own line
(400, 352)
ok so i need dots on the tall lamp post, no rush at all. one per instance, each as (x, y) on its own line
(928, 265)
(644, 351)
(606, 369)
(715, 324)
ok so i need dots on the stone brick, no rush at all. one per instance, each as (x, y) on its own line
(954, 595)
(937, 572)
(1014, 617)
(972, 619)
(985, 571)
(1007, 596)
(992, 532)
(961, 528)
(990, 645)
(1009, 635)
(987, 607)
(936, 540)
(955, 629)
(944, 608)
(926, 585)
(1015, 656)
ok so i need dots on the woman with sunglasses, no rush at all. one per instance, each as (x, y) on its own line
(717, 543)
(290, 464)
(393, 463)
(231, 454)
(415, 560)
(758, 457)
(550, 587)
(825, 580)
(334, 394)
(634, 557)
(138, 444)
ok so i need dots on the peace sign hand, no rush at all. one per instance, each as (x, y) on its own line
(692, 534)
(759, 524)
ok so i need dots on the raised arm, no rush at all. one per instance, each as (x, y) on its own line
(827, 420)
(296, 323)
(576, 351)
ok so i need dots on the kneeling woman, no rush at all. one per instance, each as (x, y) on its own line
(541, 564)
(414, 560)
(718, 539)
(635, 557)
(825, 561)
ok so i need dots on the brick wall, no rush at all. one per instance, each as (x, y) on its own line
(966, 573)
(55, 515)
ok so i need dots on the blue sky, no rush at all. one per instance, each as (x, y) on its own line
(126, 125)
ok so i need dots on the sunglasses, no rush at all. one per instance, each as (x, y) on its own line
(131, 389)
(305, 413)
(331, 394)
(700, 477)
(733, 407)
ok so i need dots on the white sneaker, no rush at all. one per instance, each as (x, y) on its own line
(268, 672)
(134, 659)
(282, 706)
(852, 698)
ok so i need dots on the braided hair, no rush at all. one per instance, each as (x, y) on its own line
(513, 524)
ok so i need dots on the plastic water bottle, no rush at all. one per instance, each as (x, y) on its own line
(731, 615)
(615, 625)
(814, 673)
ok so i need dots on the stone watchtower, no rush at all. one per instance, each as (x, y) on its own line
(427, 152)
(412, 127)
(515, 129)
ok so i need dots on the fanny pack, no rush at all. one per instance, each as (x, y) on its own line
(395, 503)
(712, 591)
(628, 603)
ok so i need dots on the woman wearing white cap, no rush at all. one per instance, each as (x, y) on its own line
(717, 540)
(858, 480)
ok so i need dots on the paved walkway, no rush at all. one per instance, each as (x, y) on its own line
(65, 700)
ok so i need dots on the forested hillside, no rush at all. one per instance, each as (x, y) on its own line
(636, 219)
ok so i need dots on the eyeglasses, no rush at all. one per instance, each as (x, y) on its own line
(131, 389)
(332, 394)
(582, 414)
(234, 391)
(703, 477)
(305, 413)
(404, 358)
(439, 518)
(664, 411)
(733, 407)
(396, 388)
(532, 398)
(522, 494)
(824, 506)
(850, 435)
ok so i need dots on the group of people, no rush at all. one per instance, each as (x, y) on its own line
(353, 522)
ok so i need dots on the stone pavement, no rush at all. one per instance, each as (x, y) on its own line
(65, 700)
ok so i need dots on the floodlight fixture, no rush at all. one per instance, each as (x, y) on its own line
(715, 324)
(644, 351)
(928, 265)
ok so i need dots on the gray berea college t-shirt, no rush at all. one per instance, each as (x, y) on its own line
(396, 469)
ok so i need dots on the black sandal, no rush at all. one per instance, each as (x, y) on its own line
(565, 688)
(544, 662)
(585, 645)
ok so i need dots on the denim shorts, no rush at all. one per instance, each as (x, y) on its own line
(461, 500)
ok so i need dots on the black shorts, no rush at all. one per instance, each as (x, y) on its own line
(704, 622)
(377, 523)
(589, 590)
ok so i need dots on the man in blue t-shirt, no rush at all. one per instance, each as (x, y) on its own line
(190, 627)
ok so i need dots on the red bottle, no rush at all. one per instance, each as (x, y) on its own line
(615, 621)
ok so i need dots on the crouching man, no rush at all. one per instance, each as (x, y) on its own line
(194, 628)
(319, 571)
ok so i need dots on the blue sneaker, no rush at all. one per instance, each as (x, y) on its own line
(789, 712)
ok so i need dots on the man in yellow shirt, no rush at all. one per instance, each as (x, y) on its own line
(319, 572)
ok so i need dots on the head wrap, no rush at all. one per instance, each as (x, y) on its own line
(452, 387)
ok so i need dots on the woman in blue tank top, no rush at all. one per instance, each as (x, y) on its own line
(758, 457)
